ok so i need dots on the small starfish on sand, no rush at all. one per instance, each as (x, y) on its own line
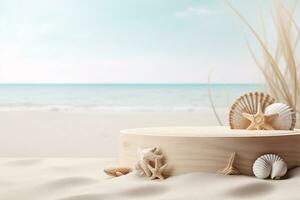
(157, 170)
(230, 169)
(260, 121)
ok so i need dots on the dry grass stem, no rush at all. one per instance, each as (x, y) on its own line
(280, 61)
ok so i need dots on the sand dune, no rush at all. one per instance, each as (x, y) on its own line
(82, 179)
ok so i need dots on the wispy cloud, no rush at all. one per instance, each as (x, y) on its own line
(194, 11)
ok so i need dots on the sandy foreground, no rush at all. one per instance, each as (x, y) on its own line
(82, 179)
(82, 134)
(28, 140)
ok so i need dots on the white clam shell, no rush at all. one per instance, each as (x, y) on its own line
(279, 169)
(286, 118)
(269, 165)
(262, 169)
(247, 103)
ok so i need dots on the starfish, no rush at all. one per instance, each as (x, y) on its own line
(157, 170)
(259, 120)
(230, 169)
(145, 157)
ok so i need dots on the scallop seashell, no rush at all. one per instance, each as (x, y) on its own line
(286, 119)
(117, 171)
(269, 165)
(247, 103)
(261, 169)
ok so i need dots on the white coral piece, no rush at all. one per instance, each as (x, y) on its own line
(150, 163)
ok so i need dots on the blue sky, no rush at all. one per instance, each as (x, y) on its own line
(129, 41)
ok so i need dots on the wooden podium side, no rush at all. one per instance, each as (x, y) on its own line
(207, 149)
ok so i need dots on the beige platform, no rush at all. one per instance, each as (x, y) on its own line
(207, 149)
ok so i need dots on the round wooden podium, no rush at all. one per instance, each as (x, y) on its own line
(207, 149)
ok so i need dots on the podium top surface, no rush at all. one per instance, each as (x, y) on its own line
(208, 131)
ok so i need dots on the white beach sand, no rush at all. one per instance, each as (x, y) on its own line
(88, 134)
(40, 134)
(83, 179)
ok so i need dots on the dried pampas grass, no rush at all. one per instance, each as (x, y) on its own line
(279, 63)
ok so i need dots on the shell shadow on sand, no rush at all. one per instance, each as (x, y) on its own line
(250, 190)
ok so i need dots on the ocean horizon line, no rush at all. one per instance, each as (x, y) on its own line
(111, 97)
(132, 83)
(95, 108)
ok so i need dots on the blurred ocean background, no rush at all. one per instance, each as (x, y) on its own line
(120, 97)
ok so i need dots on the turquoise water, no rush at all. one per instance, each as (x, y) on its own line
(120, 97)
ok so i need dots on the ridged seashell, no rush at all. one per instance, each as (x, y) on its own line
(117, 171)
(286, 119)
(247, 103)
(269, 165)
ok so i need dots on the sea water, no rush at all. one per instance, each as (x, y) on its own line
(120, 97)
